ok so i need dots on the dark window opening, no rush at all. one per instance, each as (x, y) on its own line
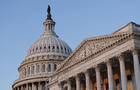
(107, 86)
(55, 66)
(129, 77)
(117, 81)
(49, 68)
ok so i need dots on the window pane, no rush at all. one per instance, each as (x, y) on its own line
(38, 69)
(32, 70)
(49, 68)
(43, 67)
(55, 66)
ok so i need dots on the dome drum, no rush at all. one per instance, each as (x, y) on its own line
(38, 68)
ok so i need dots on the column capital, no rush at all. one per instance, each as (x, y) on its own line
(120, 56)
(77, 75)
(107, 61)
(97, 67)
(134, 50)
(86, 71)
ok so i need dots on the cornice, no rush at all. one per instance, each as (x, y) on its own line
(30, 80)
(94, 39)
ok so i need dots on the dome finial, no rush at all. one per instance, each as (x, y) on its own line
(49, 24)
(49, 12)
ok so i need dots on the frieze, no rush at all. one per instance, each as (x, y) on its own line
(90, 47)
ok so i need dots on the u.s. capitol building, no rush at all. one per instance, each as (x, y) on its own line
(109, 62)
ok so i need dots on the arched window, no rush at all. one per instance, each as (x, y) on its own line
(43, 67)
(37, 68)
(37, 48)
(48, 48)
(44, 47)
(55, 66)
(53, 49)
(57, 49)
(32, 69)
(61, 49)
(49, 67)
(68, 51)
(65, 50)
(28, 70)
(40, 48)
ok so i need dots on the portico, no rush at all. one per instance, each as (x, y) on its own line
(112, 74)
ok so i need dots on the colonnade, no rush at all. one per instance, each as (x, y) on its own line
(38, 68)
(33, 86)
(98, 79)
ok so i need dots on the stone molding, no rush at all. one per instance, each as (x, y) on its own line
(69, 59)
(30, 80)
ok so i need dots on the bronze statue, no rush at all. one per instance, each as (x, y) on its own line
(49, 12)
(49, 9)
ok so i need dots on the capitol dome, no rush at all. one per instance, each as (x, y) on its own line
(43, 57)
(49, 43)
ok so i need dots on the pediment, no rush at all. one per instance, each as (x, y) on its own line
(89, 47)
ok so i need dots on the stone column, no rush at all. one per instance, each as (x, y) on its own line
(87, 80)
(17, 88)
(77, 83)
(110, 75)
(136, 68)
(98, 77)
(21, 87)
(69, 85)
(52, 67)
(27, 86)
(123, 73)
(46, 87)
(33, 86)
(34, 68)
(39, 86)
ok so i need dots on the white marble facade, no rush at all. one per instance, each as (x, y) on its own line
(109, 62)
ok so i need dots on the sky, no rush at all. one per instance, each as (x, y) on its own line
(21, 24)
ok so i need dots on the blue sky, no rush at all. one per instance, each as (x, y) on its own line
(21, 24)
